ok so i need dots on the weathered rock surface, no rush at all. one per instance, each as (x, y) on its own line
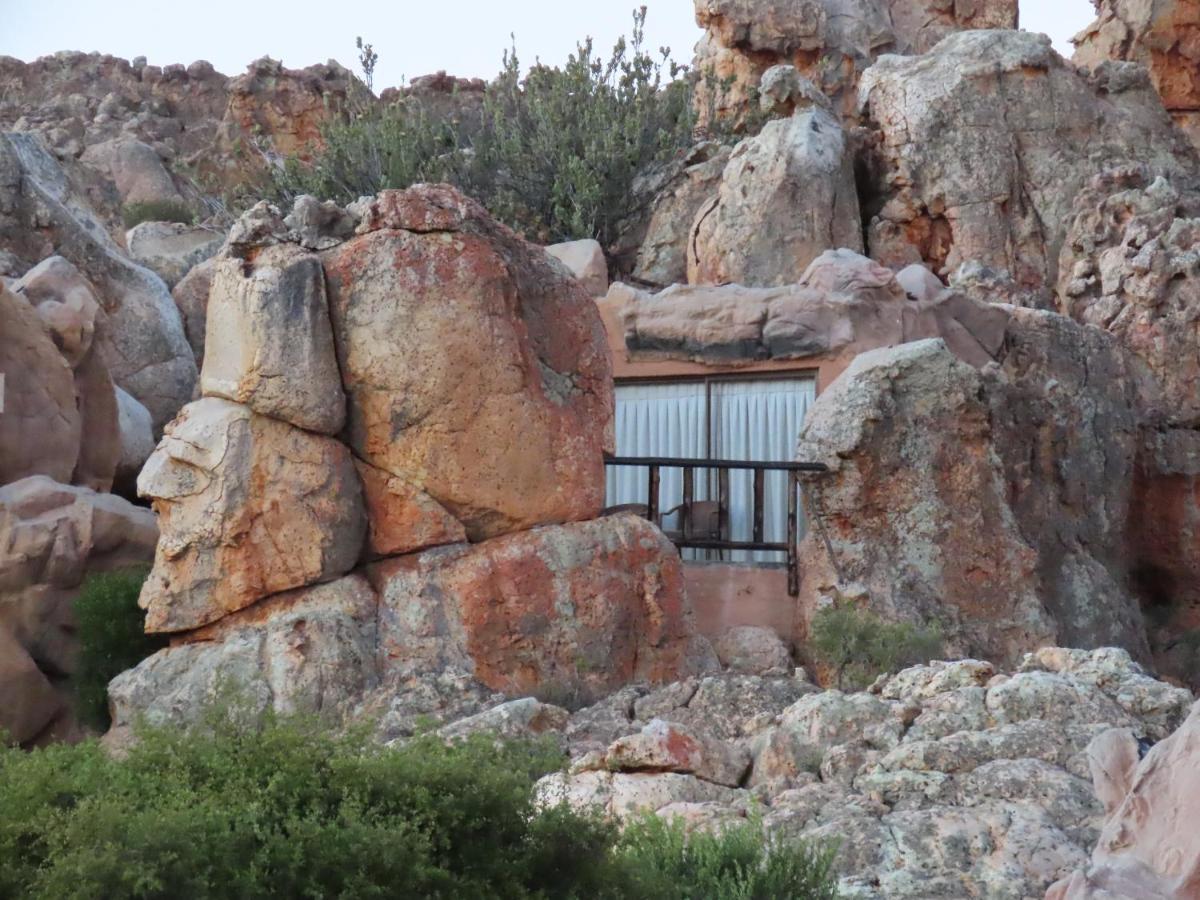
(662, 254)
(842, 305)
(172, 249)
(137, 171)
(42, 213)
(402, 518)
(984, 142)
(829, 42)
(1164, 36)
(753, 650)
(937, 507)
(191, 298)
(445, 324)
(269, 340)
(1148, 847)
(581, 608)
(990, 801)
(248, 506)
(786, 196)
(51, 536)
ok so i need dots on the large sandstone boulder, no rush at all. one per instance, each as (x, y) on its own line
(1164, 36)
(142, 340)
(585, 260)
(474, 368)
(248, 506)
(786, 196)
(583, 608)
(830, 42)
(995, 502)
(51, 537)
(269, 340)
(172, 249)
(1149, 847)
(191, 298)
(984, 142)
(138, 173)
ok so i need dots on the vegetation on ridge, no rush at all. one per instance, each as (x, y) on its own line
(555, 154)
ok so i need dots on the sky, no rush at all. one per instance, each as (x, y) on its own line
(412, 37)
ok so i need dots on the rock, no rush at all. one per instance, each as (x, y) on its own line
(585, 261)
(317, 225)
(1148, 847)
(65, 303)
(726, 706)
(308, 651)
(983, 143)
(142, 343)
(624, 795)
(786, 196)
(753, 650)
(843, 305)
(248, 506)
(586, 607)
(1130, 265)
(137, 442)
(402, 518)
(191, 298)
(1113, 757)
(666, 747)
(408, 704)
(1162, 35)
(829, 42)
(830, 718)
(52, 536)
(100, 434)
(269, 341)
(137, 171)
(1054, 550)
(172, 249)
(40, 426)
(528, 398)
(662, 256)
(517, 719)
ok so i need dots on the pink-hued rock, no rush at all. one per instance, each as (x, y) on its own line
(248, 506)
(475, 370)
(589, 606)
(1150, 847)
(666, 747)
(1164, 36)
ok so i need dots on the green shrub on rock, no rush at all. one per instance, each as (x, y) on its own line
(292, 810)
(859, 646)
(156, 211)
(554, 155)
(109, 625)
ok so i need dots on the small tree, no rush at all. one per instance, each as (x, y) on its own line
(859, 646)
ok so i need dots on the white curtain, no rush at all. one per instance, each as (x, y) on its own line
(751, 419)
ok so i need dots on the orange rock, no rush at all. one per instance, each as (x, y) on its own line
(402, 518)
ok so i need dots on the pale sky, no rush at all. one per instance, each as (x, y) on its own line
(412, 37)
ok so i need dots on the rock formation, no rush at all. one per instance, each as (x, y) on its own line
(1163, 36)
(51, 535)
(830, 42)
(1148, 847)
(470, 371)
(983, 143)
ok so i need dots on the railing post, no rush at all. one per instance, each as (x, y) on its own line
(689, 490)
(758, 505)
(793, 535)
(723, 503)
(652, 498)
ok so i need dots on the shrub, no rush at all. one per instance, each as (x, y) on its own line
(109, 625)
(156, 211)
(859, 646)
(292, 810)
(554, 155)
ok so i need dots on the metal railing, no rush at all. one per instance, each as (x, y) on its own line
(686, 537)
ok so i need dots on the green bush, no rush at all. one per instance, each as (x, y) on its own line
(859, 646)
(292, 810)
(156, 211)
(109, 626)
(554, 155)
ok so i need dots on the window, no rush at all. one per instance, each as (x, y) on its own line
(719, 418)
